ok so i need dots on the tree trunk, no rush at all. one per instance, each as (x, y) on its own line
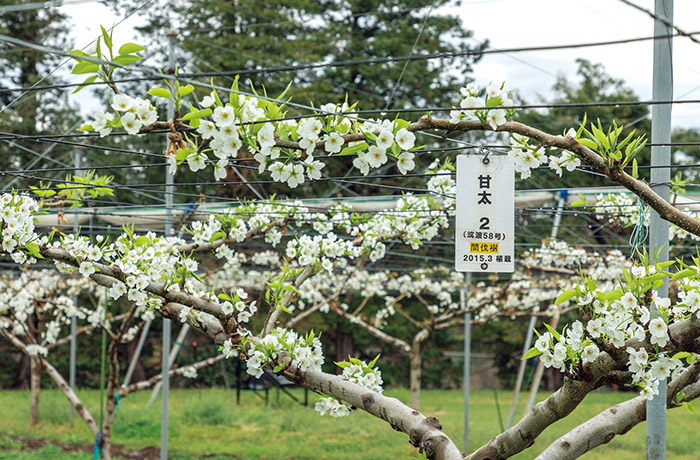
(345, 346)
(415, 377)
(35, 383)
(416, 365)
(111, 406)
(22, 380)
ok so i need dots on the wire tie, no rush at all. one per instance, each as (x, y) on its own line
(485, 151)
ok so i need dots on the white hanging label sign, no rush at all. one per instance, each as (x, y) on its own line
(485, 228)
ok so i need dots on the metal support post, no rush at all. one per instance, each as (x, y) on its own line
(563, 196)
(174, 351)
(73, 319)
(137, 353)
(521, 370)
(467, 358)
(169, 181)
(662, 90)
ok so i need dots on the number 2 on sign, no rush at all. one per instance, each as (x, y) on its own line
(484, 223)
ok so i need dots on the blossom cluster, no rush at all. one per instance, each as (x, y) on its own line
(624, 210)
(305, 352)
(17, 226)
(355, 371)
(620, 317)
(285, 148)
(601, 266)
(48, 295)
(484, 108)
(132, 114)
(527, 157)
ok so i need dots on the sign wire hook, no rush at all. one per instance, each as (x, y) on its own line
(485, 151)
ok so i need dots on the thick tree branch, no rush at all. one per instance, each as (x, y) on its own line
(424, 432)
(563, 401)
(616, 420)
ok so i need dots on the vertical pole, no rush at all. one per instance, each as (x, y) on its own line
(137, 353)
(73, 319)
(174, 351)
(563, 196)
(662, 90)
(521, 370)
(467, 358)
(169, 181)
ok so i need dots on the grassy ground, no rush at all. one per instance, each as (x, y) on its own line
(209, 422)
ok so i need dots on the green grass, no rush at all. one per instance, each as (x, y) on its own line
(209, 422)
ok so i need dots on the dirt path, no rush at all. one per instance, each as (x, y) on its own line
(118, 451)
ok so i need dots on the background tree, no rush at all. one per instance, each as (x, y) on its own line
(246, 36)
(32, 112)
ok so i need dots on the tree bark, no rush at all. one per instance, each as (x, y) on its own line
(618, 420)
(60, 382)
(35, 383)
(415, 376)
(424, 432)
(416, 366)
(111, 405)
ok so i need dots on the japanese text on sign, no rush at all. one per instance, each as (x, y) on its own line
(485, 214)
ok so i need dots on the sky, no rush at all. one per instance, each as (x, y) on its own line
(530, 23)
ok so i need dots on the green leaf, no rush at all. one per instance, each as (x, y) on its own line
(84, 67)
(126, 60)
(224, 296)
(185, 90)
(87, 80)
(182, 154)
(552, 331)
(76, 54)
(278, 368)
(159, 92)
(652, 278)
(86, 128)
(564, 296)
(106, 38)
(130, 48)
(635, 169)
(196, 114)
(140, 240)
(531, 353)
(33, 248)
(690, 407)
(360, 146)
(588, 143)
(681, 355)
